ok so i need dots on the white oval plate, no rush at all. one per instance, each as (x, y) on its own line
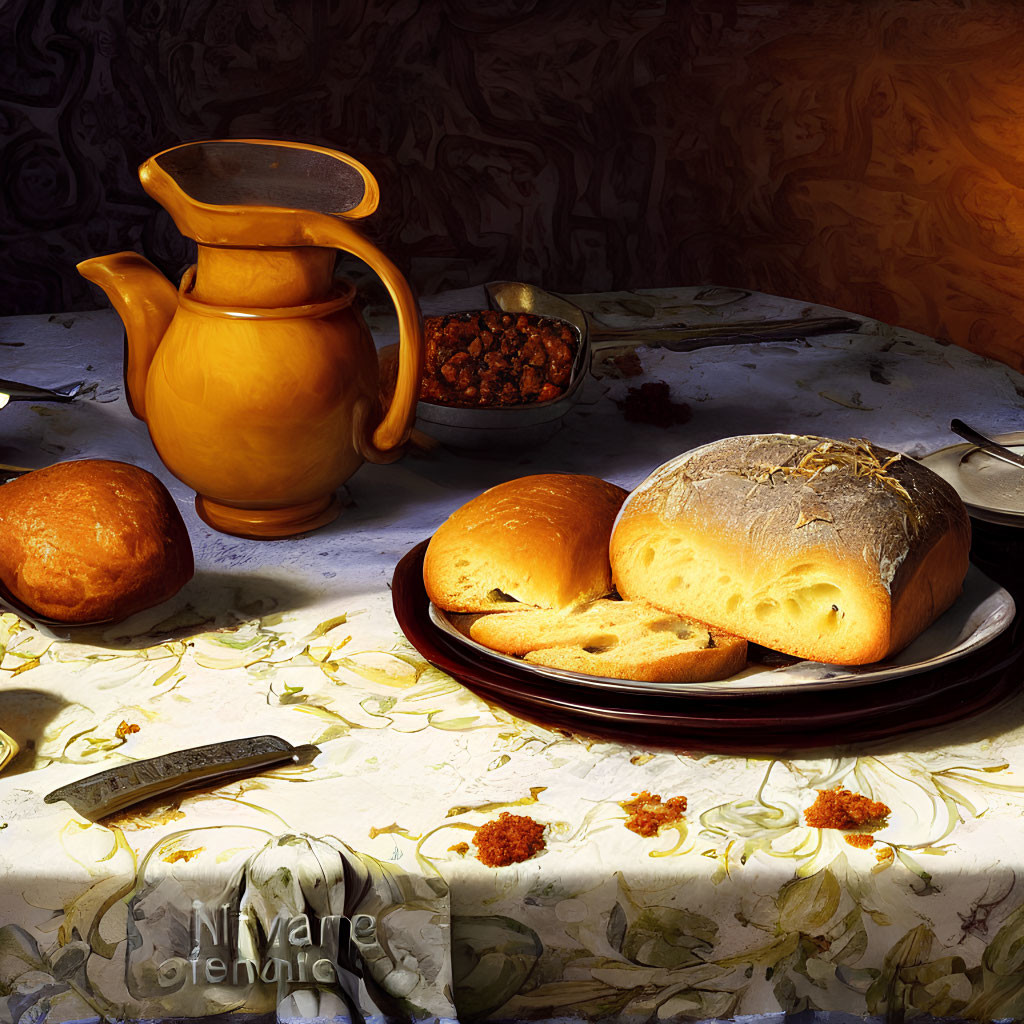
(983, 611)
(992, 490)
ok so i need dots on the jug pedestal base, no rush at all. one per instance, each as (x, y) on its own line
(268, 523)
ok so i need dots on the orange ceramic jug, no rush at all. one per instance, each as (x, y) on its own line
(257, 377)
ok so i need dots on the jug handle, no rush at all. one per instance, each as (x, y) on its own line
(393, 430)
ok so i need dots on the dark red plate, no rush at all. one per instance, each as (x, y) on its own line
(762, 723)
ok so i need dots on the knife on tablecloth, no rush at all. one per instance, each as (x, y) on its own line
(13, 391)
(115, 789)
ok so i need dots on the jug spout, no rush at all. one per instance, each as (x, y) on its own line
(146, 301)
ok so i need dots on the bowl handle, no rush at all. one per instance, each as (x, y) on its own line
(385, 442)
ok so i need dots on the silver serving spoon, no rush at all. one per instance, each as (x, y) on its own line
(518, 296)
(994, 448)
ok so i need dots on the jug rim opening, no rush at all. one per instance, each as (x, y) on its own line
(232, 176)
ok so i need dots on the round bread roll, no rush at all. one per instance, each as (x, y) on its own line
(834, 551)
(539, 541)
(91, 541)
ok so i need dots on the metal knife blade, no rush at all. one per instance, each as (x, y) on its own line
(17, 392)
(115, 789)
(742, 331)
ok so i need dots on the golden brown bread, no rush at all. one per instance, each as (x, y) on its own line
(834, 551)
(541, 541)
(617, 639)
(91, 541)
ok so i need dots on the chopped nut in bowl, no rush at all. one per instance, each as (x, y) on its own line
(497, 378)
(490, 358)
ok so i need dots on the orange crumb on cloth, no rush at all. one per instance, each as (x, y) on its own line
(842, 809)
(509, 840)
(648, 815)
(861, 840)
(185, 855)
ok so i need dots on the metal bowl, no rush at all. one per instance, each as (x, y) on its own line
(512, 427)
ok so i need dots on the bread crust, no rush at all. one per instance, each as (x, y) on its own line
(91, 540)
(834, 551)
(541, 541)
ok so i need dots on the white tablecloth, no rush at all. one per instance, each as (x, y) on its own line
(739, 909)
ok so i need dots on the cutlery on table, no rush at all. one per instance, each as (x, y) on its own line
(14, 391)
(986, 444)
(106, 792)
(678, 337)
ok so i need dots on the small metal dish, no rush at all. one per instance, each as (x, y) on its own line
(512, 427)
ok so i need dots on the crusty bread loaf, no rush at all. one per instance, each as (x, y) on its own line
(91, 541)
(618, 639)
(538, 540)
(834, 551)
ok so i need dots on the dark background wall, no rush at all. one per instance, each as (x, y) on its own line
(861, 153)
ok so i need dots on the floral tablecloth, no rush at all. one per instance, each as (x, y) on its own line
(349, 886)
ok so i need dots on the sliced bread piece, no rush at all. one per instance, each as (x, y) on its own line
(618, 639)
(662, 661)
